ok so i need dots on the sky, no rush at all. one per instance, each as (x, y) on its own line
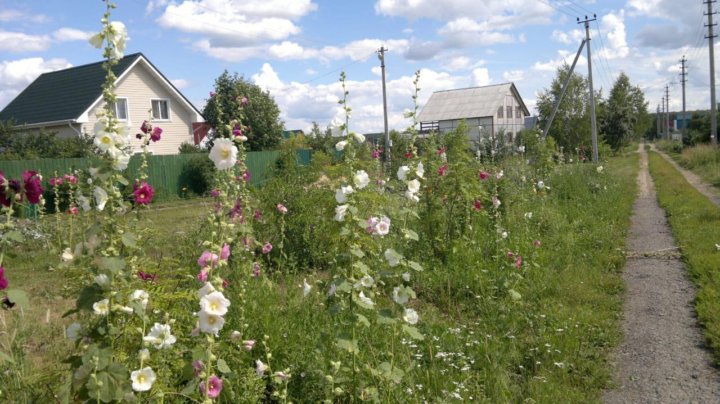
(296, 49)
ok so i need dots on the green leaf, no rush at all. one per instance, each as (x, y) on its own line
(363, 320)
(391, 373)
(347, 344)
(18, 297)
(122, 180)
(6, 358)
(344, 286)
(386, 317)
(514, 295)
(129, 240)
(357, 252)
(223, 367)
(15, 236)
(413, 332)
(89, 295)
(112, 264)
(409, 234)
(414, 265)
(361, 266)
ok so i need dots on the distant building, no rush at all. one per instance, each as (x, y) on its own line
(488, 109)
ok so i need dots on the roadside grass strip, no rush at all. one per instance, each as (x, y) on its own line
(695, 224)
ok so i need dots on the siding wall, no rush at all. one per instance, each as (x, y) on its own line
(140, 86)
(514, 124)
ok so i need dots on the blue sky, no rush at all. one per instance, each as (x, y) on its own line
(296, 48)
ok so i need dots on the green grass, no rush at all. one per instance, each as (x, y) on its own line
(550, 345)
(703, 160)
(695, 223)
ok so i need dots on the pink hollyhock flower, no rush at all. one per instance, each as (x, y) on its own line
(267, 248)
(537, 243)
(214, 387)
(202, 275)
(376, 154)
(225, 252)
(244, 101)
(155, 135)
(510, 254)
(143, 193)
(477, 205)
(408, 155)
(215, 193)
(33, 188)
(207, 259)
(256, 270)
(212, 94)
(225, 283)
(248, 344)
(198, 367)
(146, 127)
(441, 171)
(146, 276)
(246, 176)
(70, 178)
(258, 214)
(55, 181)
(518, 262)
(441, 151)
(3, 280)
(281, 208)
(484, 175)
(73, 210)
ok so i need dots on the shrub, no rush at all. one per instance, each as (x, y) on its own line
(197, 176)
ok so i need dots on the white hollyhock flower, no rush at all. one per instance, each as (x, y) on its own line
(392, 257)
(223, 154)
(361, 179)
(104, 140)
(101, 198)
(367, 281)
(102, 307)
(541, 184)
(84, 203)
(340, 146)
(141, 296)
(73, 331)
(205, 290)
(215, 303)
(97, 40)
(340, 212)
(358, 137)
(332, 290)
(160, 336)
(144, 354)
(210, 323)
(420, 170)
(306, 288)
(67, 255)
(406, 276)
(342, 193)
(366, 299)
(383, 226)
(496, 202)
(410, 316)
(402, 172)
(142, 379)
(260, 368)
(121, 162)
(411, 196)
(599, 169)
(413, 186)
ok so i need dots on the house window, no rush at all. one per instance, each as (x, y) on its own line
(160, 110)
(500, 112)
(120, 109)
(518, 112)
(509, 111)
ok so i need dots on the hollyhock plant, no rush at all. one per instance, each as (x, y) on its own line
(484, 175)
(477, 205)
(281, 208)
(156, 133)
(224, 154)
(142, 379)
(3, 281)
(33, 188)
(160, 336)
(208, 259)
(225, 252)
(442, 169)
(55, 181)
(213, 388)
(215, 303)
(143, 193)
(267, 247)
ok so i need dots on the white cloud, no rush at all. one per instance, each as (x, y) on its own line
(19, 42)
(376, 70)
(613, 26)
(17, 74)
(481, 77)
(17, 15)
(564, 57)
(267, 79)
(571, 37)
(71, 34)
(495, 11)
(514, 75)
(180, 83)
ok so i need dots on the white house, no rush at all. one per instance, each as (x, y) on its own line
(66, 101)
(490, 109)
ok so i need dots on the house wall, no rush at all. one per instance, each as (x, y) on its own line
(473, 125)
(140, 86)
(62, 131)
(510, 124)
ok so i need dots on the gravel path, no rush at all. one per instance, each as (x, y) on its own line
(663, 358)
(704, 188)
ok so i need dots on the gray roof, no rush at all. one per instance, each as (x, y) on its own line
(473, 102)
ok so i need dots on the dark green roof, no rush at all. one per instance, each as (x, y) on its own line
(62, 95)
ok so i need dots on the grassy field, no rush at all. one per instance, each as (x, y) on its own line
(548, 341)
(695, 223)
(703, 160)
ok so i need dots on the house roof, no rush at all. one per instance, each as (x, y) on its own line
(473, 102)
(67, 95)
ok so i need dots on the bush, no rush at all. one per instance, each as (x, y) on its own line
(198, 174)
(188, 148)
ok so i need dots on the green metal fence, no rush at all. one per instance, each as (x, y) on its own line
(164, 172)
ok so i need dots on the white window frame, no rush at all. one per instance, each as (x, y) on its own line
(127, 109)
(152, 110)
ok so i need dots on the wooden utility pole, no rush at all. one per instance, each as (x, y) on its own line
(711, 45)
(667, 112)
(593, 122)
(381, 56)
(683, 80)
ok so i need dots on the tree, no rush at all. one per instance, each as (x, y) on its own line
(625, 117)
(261, 114)
(571, 126)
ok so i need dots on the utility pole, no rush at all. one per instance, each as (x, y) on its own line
(381, 56)
(667, 111)
(658, 124)
(683, 80)
(711, 44)
(593, 123)
(662, 132)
